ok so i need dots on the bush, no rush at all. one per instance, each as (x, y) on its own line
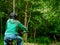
(43, 40)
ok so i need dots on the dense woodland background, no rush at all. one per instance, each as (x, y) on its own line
(41, 17)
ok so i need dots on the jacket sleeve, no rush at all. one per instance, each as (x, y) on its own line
(22, 26)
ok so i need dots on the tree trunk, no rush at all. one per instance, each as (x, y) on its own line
(25, 35)
(55, 38)
(14, 6)
(34, 33)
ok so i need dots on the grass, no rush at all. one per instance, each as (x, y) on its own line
(1, 42)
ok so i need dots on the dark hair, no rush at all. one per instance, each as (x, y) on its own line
(13, 15)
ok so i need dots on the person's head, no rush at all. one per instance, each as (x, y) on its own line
(13, 15)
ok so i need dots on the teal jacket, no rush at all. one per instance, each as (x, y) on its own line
(12, 26)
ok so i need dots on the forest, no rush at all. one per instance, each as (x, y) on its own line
(41, 17)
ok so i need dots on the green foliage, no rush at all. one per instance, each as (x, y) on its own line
(45, 16)
(41, 39)
(2, 14)
(44, 40)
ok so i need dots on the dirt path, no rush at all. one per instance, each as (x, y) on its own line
(58, 43)
(30, 44)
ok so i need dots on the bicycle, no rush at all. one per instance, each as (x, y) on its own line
(13, 42)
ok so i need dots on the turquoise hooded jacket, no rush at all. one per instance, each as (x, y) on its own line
(12, 26)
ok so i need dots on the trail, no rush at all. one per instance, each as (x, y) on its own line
(57, 43)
